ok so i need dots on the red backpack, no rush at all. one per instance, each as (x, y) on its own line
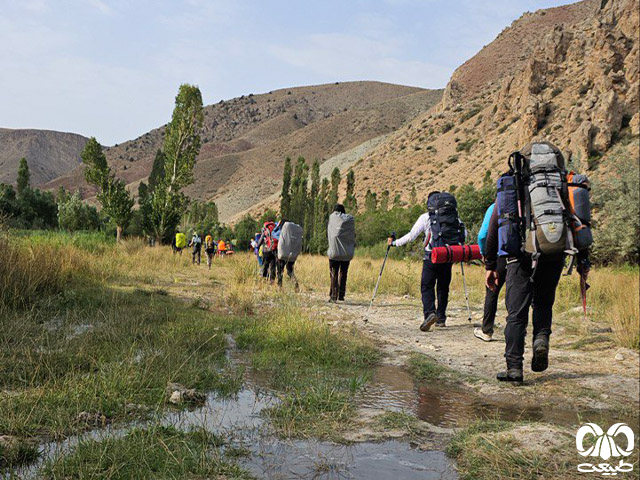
(270, 241)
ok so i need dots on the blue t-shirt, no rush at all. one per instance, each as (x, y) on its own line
(484, 229)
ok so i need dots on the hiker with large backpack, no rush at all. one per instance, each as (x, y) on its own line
(441, 227)
(196, 245)
(491, 296)
(289, 247)
(341, 234)
(269, 243)
(179, 242)
(209, 249)
(535, 227)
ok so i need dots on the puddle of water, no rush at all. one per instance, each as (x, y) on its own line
(279, 460)
(446, 405)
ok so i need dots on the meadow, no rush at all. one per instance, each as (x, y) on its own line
(93, 332)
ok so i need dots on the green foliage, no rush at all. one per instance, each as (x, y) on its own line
(335, 184)
(23, 177)
(201, 217)
(181, 147)
(74, 214)
(299, 194)
(157, 170)
(472, 205)
(113, 196)
(616, 199)
(370, 201)
(285, 196)
(350, 203)
(33, 208)
(244, 231)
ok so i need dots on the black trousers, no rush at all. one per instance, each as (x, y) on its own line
(281, 265)
(491, 298)
(195, 255)
(522, 293)
(269, 265)
(436, 277)
(338, 270)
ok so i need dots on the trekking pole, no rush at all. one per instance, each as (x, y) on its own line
(466, 295)
(375, 290)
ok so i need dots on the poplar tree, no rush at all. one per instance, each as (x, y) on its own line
(384, 201)
(112, 193)
(299, 192)
(335, 184)
(350, 202)
(370, 202)
(24, 177)
(181, 147)
(285, 196)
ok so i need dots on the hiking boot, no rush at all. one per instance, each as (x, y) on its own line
(440, 323)
(485, 337)
(428, 322)
(511, 375)
(540, 360)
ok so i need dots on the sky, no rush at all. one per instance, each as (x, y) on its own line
(111, 68)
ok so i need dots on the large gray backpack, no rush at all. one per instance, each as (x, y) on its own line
(290, 242)
(341, 233)
(547, 217)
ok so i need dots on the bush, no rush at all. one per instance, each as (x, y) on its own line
(617, 233)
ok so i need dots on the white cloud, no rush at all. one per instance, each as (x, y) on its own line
(101, 6)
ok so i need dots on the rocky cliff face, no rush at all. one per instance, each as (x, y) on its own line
(578, 88)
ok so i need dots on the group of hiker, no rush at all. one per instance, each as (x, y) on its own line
(541, 216)
(212, 248)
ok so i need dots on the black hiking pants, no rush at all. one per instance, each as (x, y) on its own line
(491, 298)
(522, 293)
(196, 254)
(269, 265)
(436, 277)
(281, 266)
(338, 270)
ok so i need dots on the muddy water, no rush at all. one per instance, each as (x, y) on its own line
(446, 405)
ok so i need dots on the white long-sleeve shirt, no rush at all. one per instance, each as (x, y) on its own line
(422, 225)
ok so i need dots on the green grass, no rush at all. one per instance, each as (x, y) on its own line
(15, 452)
(145, 454)
(315, 369)
(425, 368)
(101, 351)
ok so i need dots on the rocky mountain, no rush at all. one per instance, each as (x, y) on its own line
(49, 154)
(246, 139)
(567, 74)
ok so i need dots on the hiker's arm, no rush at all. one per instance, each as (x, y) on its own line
(491, 254)
(419, 227)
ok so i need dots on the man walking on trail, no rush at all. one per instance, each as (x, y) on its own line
(341, 234)
(268, 242)
(289, 247)
(179, 242)
(209, 249)
(222, 248)
(534, 263)
(485, 332)
(196, 244)
(441, 226)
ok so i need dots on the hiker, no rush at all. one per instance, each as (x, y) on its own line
(196, 244)
(209, 249)
(341, 234)
(256, 249)
(531, 227)
(485, 332)
(179, 242)
(222, 248)
(289, 247)
(441, 227)
(229, 244)
(268, 242)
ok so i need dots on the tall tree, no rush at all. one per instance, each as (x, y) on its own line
(23, 177)
(312, 205)
(413, 198)
(350, 202)
(299, 193)
(384, 201)
(113, 196)
(285, 196)
(181, 147)
(157, 170)
(370, 202)
(335, 184)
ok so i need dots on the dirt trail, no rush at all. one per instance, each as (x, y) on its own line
(606, 378)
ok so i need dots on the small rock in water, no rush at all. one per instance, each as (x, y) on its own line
(619, 357)
(179, 394)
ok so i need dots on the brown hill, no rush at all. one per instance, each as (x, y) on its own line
(49, 154)
(578, 88)
(246, 139)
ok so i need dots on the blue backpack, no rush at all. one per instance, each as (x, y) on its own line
(509, 218)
